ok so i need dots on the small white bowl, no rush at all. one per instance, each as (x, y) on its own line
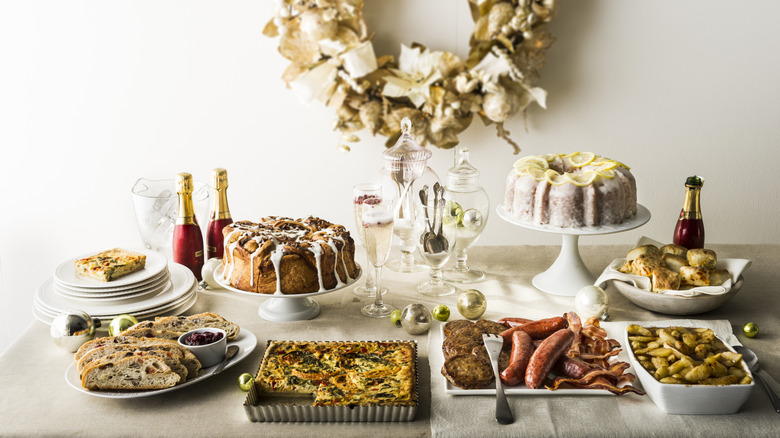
(209, 354)
(691, 399)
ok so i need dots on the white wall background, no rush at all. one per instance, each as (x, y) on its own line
(95, 94)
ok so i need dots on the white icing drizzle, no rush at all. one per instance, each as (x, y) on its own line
(316, 249)
(296, 233)
(276, 259)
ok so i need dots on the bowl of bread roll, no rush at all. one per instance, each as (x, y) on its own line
(674, 280)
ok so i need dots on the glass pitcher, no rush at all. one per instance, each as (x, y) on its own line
(156, 204)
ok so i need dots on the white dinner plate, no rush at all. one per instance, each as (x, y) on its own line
(157, 279)
(182, 280)
(66, 272)
(152, 288)
(177, 307)
(246, 341)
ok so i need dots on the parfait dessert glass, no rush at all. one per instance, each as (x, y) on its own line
(362, 193)
(469, 206)
(377, 223)
(437, 240)
(404, 172)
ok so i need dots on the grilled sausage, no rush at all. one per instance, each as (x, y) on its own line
(536, 329)
(545, 357)
(522, 348)
(514, 322)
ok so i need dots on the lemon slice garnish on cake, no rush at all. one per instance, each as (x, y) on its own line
(531, 160)
(579, 159)
(536, 173)
(550, 157)
(581, 179)
(555, 178)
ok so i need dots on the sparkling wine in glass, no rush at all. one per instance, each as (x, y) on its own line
(377, 224)
(362, 193)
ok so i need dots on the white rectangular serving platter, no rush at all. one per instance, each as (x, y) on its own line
(451, 389)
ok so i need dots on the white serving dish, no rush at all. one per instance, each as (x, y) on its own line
(691, 399)
(673, 304)
(299, 409)
(246, 342)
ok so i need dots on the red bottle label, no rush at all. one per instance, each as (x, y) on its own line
(689, 233)
(215, 243)
(188, 247)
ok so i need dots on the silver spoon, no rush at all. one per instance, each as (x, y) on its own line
(231, 351)
(762, 376)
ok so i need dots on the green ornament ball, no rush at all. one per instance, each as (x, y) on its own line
(441, 313)
(395, 317)
(245, 381)
(750, 330)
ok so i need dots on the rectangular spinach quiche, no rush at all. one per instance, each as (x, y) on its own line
(111, 264)
(361, 373)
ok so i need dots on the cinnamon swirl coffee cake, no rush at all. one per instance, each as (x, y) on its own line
(286, 256)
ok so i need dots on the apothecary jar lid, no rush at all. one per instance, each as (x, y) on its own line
(463, 176)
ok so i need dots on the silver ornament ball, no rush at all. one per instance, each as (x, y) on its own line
(472, 304)
(416, 319)
(73, 328)
(592, 301)
(472, 219)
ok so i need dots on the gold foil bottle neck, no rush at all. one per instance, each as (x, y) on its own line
(183, 183)
(219, 179)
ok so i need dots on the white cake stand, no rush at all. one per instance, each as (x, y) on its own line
(280, 307)
(568, 274)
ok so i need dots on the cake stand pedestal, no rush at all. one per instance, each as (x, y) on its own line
(282, 308)
(568, 274)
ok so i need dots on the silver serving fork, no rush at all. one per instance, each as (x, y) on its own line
(493, 344)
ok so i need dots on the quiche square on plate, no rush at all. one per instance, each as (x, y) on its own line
(111, 264)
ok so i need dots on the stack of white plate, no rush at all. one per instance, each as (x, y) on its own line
(158, 289)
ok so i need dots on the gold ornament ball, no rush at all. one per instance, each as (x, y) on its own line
(120, 324)
(472, 304)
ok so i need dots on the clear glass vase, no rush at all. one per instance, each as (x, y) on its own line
(469, 207)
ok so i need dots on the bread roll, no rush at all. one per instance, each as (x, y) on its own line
(643, 250)
(719, 276)
(674, 249)
(645, 264)
(705, 258)
(674, 262)
(664, 278)
(694, 276)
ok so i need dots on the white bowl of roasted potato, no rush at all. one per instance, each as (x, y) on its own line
(687, 370)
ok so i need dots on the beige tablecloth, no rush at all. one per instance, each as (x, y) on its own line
(36, 400)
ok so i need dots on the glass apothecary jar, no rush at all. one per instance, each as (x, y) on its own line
(405, 172)
(470, 207)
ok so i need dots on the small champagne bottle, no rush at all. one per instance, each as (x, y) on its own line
(187, 238)
(689, 231)
(220, 215)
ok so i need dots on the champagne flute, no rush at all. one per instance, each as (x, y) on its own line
(366, 192)
(377, 223)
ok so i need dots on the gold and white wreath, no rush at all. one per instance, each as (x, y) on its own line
(333, 61)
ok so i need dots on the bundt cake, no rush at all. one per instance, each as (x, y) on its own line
(570, 190)
(285, 256)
